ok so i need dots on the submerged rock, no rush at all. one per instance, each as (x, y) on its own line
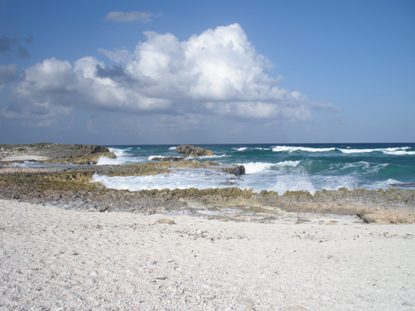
(193, 151)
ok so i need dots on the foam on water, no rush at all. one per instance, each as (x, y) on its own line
(299, 148)
(123, 157)
(152, 157)
(287, 164)
(181, 179)
(388, 151)
(287, 168)
(256, 167)
(240, 149)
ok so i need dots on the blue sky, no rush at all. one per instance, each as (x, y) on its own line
(296, 71)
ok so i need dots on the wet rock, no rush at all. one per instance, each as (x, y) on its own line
(234, 169)
(193, 151)
(167, 159)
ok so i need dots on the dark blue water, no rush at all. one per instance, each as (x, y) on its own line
(281, 167)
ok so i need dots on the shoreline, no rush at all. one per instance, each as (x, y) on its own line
(72, 188)
(63, 184)
(53, 258)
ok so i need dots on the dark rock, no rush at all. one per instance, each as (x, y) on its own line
(235, 169)
(167, 159)
(193, 151)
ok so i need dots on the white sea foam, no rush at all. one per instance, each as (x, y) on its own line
(240, 149)
(118, 152)
(182, 179)
(384, 184)
(293, 183)
(349, 151)
(399, 152)
(313, 183)
(305, 149)
(173, 148)
(287, 164)
(155, 156)
(366, 166)
(260, 148)
(256, 167)
(388, 151)
(122, 157)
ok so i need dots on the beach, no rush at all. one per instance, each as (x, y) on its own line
(71, 240)
(56, 259)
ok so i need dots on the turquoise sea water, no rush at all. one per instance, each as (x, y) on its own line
(278, 167)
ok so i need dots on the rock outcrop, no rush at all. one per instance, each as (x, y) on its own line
(233, 169)
(193, 151)
(48, 152)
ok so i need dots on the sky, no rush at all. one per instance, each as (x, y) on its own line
(165, 72)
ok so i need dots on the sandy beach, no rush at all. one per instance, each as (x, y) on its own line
(57, 259)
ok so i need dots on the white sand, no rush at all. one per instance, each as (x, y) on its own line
(70, 260)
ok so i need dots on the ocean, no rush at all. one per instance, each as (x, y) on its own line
(276, 167)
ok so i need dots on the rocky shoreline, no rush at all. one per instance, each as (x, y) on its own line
(72, 188)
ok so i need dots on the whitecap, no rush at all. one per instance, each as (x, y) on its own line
(240, 149)
(399, 152)
(173, 148)
(256, 167)
(299, 148)
(122, 157)
(387, 151)
(287, 163)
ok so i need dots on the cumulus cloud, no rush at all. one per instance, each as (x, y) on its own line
(216, 72)
(127, 17)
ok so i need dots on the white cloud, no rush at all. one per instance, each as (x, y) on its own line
(215, 72)
(120, 56)
(126, 17)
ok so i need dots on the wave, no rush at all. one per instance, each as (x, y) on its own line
(305, 149)
(173, 148)
(313, 183)
(399, 152)
(122, 157)
(256, 167)
(260, 148)
(387, 151)
(287, 164)
(367, 167)
(240, 149)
